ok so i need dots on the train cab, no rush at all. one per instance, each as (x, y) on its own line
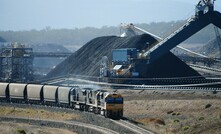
(113, 105)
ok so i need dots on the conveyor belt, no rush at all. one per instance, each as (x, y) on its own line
(191, 27)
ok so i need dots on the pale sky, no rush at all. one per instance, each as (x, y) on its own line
(38, 14)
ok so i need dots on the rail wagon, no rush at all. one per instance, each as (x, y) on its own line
(4, 92)
(17, 92)
(64, 96)
(50, 95)
(85, 99)
(35, 94)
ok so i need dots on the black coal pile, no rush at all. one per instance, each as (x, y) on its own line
(168, 66)
(87, 60)
(211, 49)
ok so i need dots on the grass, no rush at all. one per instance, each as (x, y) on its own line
(36, 113)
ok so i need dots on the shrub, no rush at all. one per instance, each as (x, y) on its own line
(185, 128)
(176, 120)
(173, 114)
(21, 131)
(169, 112)
(177, 113)
(208, 106)
(201, 118)
(159, 121)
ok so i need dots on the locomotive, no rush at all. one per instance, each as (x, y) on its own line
(86, 99)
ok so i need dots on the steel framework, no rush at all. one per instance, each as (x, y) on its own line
(16, 63)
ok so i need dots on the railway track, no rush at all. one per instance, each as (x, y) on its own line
(136, 129)
(124, 123)
(63, 124)
(210, 86)
(206, 68)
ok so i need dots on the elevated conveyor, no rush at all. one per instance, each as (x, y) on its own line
(191, 27)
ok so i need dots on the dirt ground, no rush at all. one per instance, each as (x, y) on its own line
(21, 128)
(174, 112)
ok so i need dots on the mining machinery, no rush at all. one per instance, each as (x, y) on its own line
(204, 16)
(145, 62)
(132, 30)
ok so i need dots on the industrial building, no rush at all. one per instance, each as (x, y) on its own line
(16, 63)
(141, 59)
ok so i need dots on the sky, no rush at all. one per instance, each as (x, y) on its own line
(19, 15)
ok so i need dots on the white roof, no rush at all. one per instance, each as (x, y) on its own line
(117, 67)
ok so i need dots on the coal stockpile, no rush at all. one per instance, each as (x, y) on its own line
(87, 60)
(211, 49)
(169, 66)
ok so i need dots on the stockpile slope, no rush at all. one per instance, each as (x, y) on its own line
(211, 49)
(86, 61)
(168, 66)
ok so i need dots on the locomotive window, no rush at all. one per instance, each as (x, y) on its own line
(118, 99)
(109, 100)
(114, 100)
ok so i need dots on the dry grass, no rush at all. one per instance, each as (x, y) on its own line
(174, 112)
(36, 113)
(21, 128)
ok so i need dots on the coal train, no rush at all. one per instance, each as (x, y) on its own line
(86, 99)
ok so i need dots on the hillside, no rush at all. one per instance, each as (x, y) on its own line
(75, 38)
(2, 40)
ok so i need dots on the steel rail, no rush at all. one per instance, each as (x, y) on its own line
(184, 87)
(132, 127)
(71, 123)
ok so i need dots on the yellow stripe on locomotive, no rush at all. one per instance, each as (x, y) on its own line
(114, 105)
